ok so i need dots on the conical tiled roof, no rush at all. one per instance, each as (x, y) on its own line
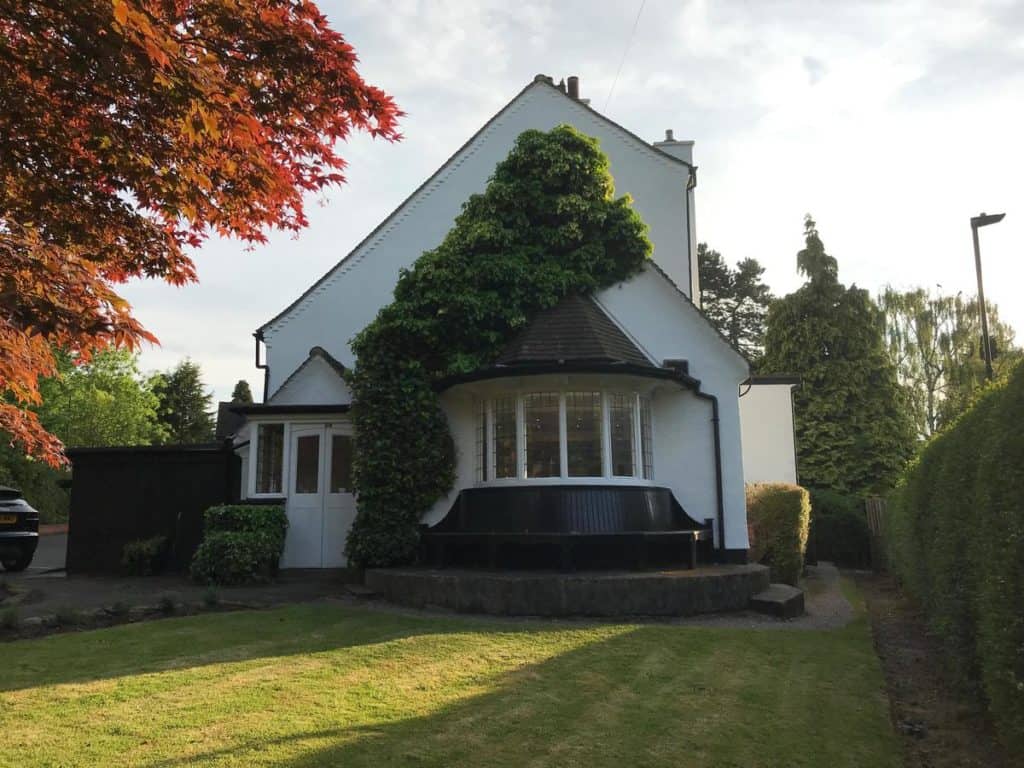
(576, 330)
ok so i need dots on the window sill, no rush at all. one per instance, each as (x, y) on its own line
(511, 481)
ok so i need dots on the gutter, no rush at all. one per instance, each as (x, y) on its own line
(691, 184)
(262, 366)
(719, 491)
(718, 465)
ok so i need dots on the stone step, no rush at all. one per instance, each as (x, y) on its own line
(779, 600)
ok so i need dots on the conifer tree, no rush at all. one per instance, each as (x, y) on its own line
(735, 300)
(854, 428)
(185, 407)
(241, 393)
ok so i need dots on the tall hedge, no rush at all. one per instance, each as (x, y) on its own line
(839, 529)
(955, 532)
(547, 225)
(779, 515)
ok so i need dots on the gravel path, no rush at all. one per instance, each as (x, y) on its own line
(826, 607)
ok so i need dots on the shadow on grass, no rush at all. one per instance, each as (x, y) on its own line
(195, 641)
(642, 696)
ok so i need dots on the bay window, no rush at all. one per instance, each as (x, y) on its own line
(583, 434)
(542, 431)
(593, 434)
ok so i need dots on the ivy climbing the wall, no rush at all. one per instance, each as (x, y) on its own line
(547, 225)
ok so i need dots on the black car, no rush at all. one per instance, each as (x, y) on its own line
(19, 530)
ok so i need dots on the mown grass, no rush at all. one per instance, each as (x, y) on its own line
(321, 684)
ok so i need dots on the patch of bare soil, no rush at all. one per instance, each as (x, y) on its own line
(939, 728)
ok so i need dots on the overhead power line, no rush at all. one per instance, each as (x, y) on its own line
(625, 53)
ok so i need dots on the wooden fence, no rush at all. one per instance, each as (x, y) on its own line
(119, 495)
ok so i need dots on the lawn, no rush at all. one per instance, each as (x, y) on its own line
(324, 684)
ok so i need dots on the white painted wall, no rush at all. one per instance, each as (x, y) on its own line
(667, 326)
(315, 383)
(458, 406)
(766, 419)
(349, 298)
(684, 457)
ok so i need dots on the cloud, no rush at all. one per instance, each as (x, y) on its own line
(892, 122)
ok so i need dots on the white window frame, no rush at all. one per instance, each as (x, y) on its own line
(254, 453)
(332, 420)
(563, 477)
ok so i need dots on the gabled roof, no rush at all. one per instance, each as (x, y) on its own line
(540, 81)
(314, 353)
(722, 337)
(575, 330)
(228, 420)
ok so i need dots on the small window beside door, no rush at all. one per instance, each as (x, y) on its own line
(269, 458)
(341, 464)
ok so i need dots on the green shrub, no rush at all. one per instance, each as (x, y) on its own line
(9, 619)
(241, 543)
(839, 529)
(211, 599)
(145, 557)
(167, 604)
(779, 516)
(67, 616)
(955, 534)
(44, 487)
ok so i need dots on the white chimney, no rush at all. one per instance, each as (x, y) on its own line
(682, 150)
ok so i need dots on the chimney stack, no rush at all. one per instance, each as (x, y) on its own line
(573, 87)
(679, 149)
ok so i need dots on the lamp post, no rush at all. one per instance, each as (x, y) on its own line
(983, 220)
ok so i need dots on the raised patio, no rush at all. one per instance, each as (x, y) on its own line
(707, 589)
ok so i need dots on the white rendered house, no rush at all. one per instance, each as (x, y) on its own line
(627, 397)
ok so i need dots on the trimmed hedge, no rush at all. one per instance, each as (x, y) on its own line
(779, 515)
(839, 529)
(241, 543)
(955, 534)
(146, 557)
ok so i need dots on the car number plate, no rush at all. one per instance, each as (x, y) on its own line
(8, 519)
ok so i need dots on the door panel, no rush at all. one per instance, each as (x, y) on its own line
(339, 503)
(302, 546)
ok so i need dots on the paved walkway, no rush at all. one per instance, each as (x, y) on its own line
(41, 593)
(44, 594)
(50, 554)
(824, 602)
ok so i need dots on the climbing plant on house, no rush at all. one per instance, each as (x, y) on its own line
(548, 224)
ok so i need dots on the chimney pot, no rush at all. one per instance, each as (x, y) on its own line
(574, 87)
(668, 135)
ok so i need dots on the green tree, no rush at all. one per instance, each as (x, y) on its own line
(735, 300)
(241, 393)
(853, 426)
(547, 225)
(185, 406)
(101, 402)
(935, 343)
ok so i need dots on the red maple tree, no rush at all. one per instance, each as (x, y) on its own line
(130, 130)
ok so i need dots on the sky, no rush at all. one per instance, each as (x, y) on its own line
(892, 123)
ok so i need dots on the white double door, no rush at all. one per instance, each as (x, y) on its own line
(321, 506)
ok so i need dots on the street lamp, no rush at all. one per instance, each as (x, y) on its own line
(983, 220)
